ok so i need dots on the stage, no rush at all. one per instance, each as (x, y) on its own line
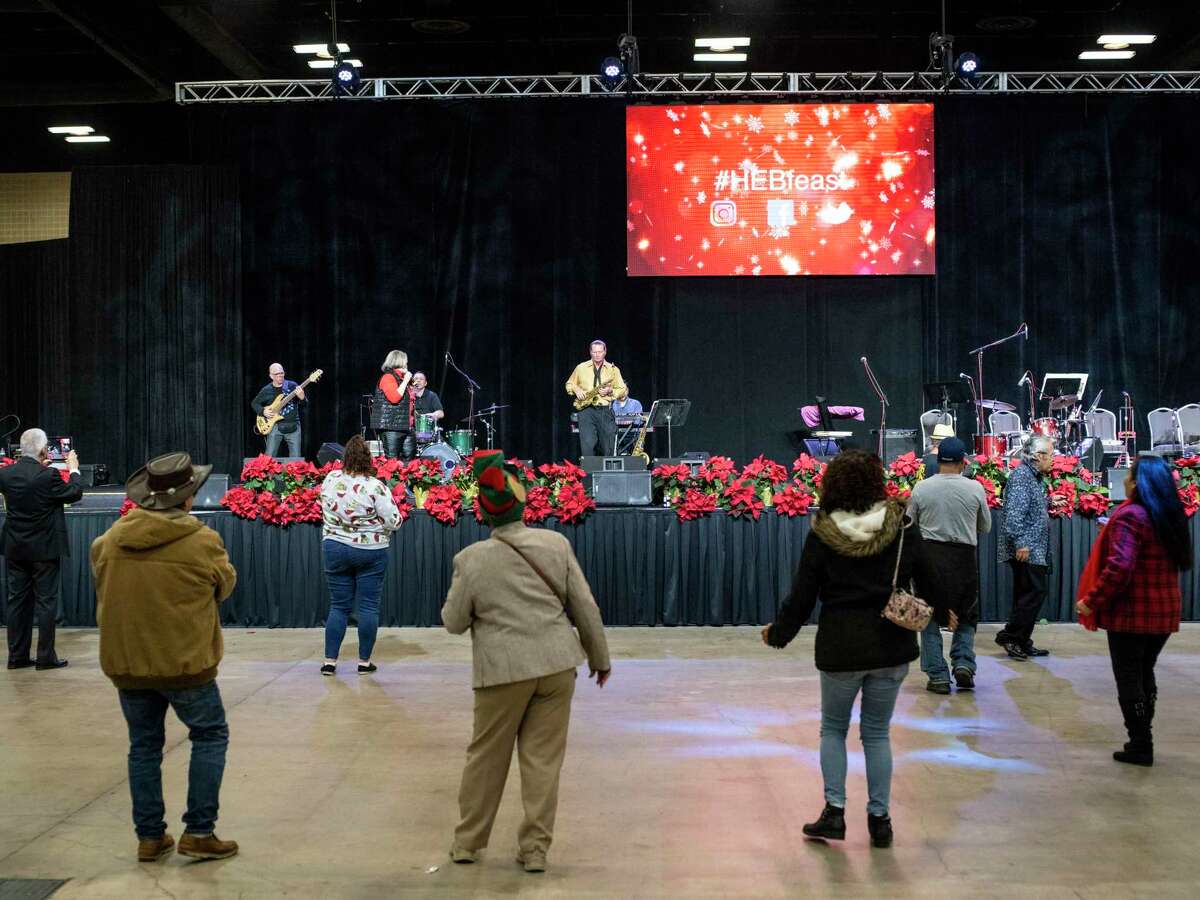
(644, 565)
(688, 776)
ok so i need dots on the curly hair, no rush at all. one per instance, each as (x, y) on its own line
(356, 459)
(853, 482)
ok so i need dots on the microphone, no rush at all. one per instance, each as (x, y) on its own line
(964, 376)
(1024, 379)
(1025, 328)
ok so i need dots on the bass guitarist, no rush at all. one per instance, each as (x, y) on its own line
(595, 384)
(288, 419)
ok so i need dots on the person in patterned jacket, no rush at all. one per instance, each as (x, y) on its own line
(1135, 594)
(1024, 543)
(358, 516)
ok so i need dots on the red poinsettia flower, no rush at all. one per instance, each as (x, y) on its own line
(895, 491)
(905, 466)
(444, 502)
(537, 505)
(334, 465)
(1064, 465)
(242, 502)
(1188, 462)
(990, 490)
(573, 502)
(742, 499)
(670, 476)
(5, 461)
(126, 506)
(261, 467)
(1190, 496)
(1062, 499)
(695, 504)
(300, 469)
(806, 463)
(793, 501)
(765, 471)
(1093, 503)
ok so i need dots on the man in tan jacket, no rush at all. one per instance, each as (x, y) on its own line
(518, 594)
(160, 574)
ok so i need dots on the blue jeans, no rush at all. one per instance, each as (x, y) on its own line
(201, 710)
(277, 437)
(962, 651)
(351, 573)
(879, 690)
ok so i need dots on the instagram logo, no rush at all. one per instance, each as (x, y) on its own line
(722, 213)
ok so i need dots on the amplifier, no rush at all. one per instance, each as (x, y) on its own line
(896, 442)
(620, 488)
(90, 474)
(1116, 484)
(210, 493)
(612, 464)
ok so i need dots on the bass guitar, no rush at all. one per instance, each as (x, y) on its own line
(271, 414)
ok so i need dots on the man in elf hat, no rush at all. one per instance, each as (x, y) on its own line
(518, 593)
(160, 575)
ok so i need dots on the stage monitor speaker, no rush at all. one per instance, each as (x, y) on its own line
(329, 452)
(620, 488)
(104, 499)
(1116, 484)
(613, 464)
(210, 493)
(896, 442)
(91, 474)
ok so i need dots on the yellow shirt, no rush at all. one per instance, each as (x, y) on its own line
(584, 377)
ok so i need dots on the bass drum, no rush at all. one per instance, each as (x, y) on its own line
(446, 456)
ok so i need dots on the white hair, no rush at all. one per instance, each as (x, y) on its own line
(1034, 443)
(33, 442)
(271, 368)
(397, 359)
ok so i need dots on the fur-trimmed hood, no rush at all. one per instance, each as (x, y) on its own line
(860, 534)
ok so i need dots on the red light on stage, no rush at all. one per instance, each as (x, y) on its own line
(780, 189)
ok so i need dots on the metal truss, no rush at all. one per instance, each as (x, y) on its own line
(743, 84)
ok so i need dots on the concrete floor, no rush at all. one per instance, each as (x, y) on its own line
(689, 775)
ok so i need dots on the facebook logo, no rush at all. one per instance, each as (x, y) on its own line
(781, 213)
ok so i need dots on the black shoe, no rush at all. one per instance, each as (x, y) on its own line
(57, 664)
(1014, 651)
(1031, 650)
(831, 825)
(1003, 637)
(367, 669)
(328, 669)
(1134, 755)
(964, 679)
(938, 687)
(881, 830)
(20, 664)
(1139, 751)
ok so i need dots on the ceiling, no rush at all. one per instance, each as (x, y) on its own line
(71, 52)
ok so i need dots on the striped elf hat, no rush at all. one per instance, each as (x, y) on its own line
(501, 492)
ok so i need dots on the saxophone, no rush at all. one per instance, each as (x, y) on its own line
(639, 448)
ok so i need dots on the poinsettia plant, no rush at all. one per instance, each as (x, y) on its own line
(1068, 483)
(765, 475)
(902, 475)
(807, 471)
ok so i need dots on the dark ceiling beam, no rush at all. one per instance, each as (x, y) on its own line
(76, 94)
(161, 88)
(198, 23)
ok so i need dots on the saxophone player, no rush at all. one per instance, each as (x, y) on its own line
(595, 384)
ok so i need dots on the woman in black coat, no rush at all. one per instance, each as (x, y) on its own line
(847, 563)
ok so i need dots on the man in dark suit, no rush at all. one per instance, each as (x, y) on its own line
(33, 541)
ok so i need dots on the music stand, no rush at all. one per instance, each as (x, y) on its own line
(668, 414)
(1056, 385)
(944, 394)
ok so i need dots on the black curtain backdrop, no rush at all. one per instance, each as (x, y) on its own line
(324, 235)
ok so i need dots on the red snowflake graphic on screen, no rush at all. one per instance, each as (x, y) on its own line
(779, 189)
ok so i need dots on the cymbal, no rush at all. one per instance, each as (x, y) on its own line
(486, 411)
(1063, 403)
(995, 405)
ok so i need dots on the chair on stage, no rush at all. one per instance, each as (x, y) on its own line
(1165, 434)
(1188, 418)
(1005, 425)
(929, 419)
(1101, 425)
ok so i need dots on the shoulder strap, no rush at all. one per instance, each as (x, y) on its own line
(529, 562)
(899, 551)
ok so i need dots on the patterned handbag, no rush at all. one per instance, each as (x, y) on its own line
(904, 608)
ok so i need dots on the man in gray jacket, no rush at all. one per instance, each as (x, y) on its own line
(518, 594)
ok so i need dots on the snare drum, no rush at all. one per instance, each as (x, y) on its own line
(446, 456)
(426, 427)
(989, 444)
(1047, 427)
(462, 440)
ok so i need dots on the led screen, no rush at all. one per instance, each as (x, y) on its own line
(780, 189)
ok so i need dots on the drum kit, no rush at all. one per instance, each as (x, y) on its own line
(450, 448)
(1064, 426)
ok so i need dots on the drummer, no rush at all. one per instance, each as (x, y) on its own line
(425, 403)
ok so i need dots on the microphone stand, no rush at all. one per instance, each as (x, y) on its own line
(472, 387)
(883, 402)
(978, 354)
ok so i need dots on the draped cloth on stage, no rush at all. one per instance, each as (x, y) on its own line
(645, 568)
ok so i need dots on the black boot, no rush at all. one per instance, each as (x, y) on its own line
(881, 830)
(831, 825)
(1140, 749)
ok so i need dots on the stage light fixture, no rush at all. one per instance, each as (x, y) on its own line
(319, 49)
(71, 129)
(1106, 54)
(87, 139)
(967, 65)
(611, 69)
(1126, 39)
(346, 77)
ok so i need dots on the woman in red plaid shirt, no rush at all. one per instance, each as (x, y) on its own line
(1131, 586)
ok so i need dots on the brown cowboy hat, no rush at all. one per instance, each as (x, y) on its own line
(166, 481)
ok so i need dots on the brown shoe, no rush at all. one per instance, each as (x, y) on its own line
(208, 847)
(154, 849)
(532, 860)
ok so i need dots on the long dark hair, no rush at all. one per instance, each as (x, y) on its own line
(1156, 491)
(853, 481)
(356, 459)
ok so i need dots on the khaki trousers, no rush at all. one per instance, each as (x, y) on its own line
(534, 714)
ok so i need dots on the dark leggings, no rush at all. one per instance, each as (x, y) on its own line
(398, 444)
(1133, 659)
